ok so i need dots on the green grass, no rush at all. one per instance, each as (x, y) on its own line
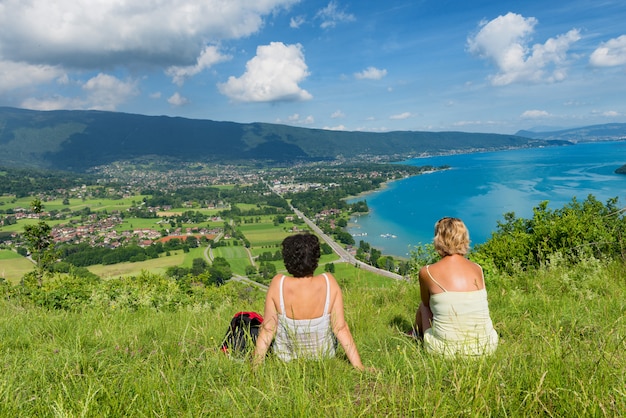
(140, 223)
(13, 266)
(157, 266)
(194, 253)
(237, 257)
(264, 234)
(9, 255)
(562, 353)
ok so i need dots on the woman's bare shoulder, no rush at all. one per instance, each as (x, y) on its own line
(275, 283)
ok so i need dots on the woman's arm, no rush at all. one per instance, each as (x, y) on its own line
(270, 323)
(424, 288)
(423, 316)
(340, 327)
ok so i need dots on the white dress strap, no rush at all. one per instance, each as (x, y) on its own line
(282, 299)
(327, 304)
(434, 281)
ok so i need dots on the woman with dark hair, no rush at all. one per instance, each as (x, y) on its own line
(453, 317)
(304, 311)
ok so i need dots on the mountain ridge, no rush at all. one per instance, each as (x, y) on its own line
(76, 140)
(591, 133)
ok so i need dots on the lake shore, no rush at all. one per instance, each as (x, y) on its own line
(481, 188)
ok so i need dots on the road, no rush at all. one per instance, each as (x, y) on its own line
(344, 256)
(342, 253)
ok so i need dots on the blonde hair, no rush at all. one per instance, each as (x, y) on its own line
(451, 237)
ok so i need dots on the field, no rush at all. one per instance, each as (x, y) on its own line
(265, 234)
(562, 353)
(237, 257)
(156, 266)
(13, 266)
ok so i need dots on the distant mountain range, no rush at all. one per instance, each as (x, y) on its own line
(78, 140)
(593, 133)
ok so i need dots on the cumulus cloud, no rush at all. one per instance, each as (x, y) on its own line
(337, 114)
(209, 56)
(610, 54)
(505, 41)
(87, 33)
(177, 100)
(401, 116)
(331, 15)
(371, 73)
(103, 92)
(15, 75)
(535, 114)
(106, 92)
(272, 75)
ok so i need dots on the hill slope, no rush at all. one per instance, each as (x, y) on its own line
(78, 140)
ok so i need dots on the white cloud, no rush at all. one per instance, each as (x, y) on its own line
(464, 123)
(297, 119)
(610, 53)
(53, 103)
(209, 56)
(296, 22)
(371, 73)
(272, 75)
(611, 114)
(177, 100)
(505, 41)
(335, 128)
(105, 92)
(331, 16)
(93, 34)
(15, 75)
(337, 114)
(401, 116)
(155, 95)
(534, 114)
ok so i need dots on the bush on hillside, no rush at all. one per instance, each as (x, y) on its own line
(578, 231)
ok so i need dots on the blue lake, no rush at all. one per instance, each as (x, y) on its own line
(481, 187)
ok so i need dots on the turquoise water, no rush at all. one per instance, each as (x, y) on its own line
(481, 187)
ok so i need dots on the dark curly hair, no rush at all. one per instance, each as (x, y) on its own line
(301, 254)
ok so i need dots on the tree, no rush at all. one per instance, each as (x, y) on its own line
(198, 266)
(251, 270)
(39, 243)
(220, 271)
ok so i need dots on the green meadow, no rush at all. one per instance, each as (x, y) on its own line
(142, 347)
(264, 234)
(13, 266)
(128, 269)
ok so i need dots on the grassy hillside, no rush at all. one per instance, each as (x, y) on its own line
(79, 140)
(138, 347)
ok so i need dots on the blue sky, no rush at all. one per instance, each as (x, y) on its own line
(432, 65)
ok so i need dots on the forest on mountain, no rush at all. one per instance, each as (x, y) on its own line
(79, 140)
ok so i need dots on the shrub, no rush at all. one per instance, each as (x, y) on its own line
(578, 231)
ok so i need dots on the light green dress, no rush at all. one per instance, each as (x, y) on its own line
(461, 324)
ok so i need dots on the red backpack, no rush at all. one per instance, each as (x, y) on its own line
(242, 333)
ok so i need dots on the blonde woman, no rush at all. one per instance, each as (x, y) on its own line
(453, 317)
